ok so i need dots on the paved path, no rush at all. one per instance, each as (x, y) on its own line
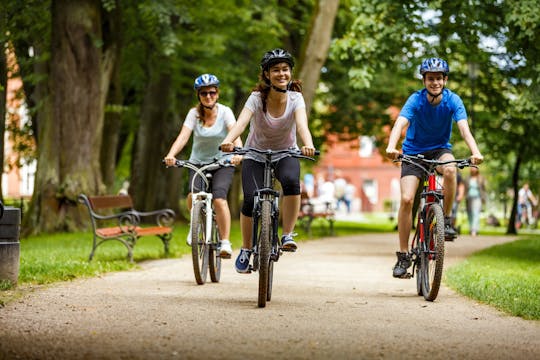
(335, 298)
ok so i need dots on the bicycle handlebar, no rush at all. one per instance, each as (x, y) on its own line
(460, 163)
(201, 168)
(294, 152)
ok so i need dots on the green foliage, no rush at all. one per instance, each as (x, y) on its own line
(506, 276)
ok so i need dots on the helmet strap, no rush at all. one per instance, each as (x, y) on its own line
(433, 96)
(208, 107)
(278, 89)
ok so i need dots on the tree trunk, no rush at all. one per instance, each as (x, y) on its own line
(113, 119)
(70, 134)
(316, 48)
(3, 99)
(153, 186)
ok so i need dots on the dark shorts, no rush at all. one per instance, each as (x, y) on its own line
(221, 182)
(411, 169)
(287, 171)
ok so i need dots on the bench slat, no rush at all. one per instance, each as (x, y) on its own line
(110, 201)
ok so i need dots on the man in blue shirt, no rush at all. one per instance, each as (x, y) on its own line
(428, 116)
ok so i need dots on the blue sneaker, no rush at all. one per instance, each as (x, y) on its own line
(242, 261)
(287, 243)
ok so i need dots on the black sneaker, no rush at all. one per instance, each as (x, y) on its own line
(403, 263)
(449, 232)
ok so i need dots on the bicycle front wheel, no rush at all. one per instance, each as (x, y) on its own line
(199, 246)
(432, 255)
(214, 258)
(265, 231)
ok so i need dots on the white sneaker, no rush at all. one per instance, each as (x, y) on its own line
(225, 249)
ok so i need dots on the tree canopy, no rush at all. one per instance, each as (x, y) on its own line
(147, 53)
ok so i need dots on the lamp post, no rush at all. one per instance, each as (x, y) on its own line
(473, 74)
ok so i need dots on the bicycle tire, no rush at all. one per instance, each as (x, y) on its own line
(214, 257)
(270, 280)
(199, 247)
(432, 259)
(415, 250)
(264, 242)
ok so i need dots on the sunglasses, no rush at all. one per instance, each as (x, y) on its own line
(206, 93)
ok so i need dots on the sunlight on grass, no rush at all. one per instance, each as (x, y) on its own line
(506, 276)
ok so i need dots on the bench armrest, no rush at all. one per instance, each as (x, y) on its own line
(163, 217)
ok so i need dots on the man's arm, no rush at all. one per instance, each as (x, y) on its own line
(466, 134)
(400, 124)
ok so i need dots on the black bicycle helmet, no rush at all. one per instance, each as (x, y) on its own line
(434, 65)
(276, 56)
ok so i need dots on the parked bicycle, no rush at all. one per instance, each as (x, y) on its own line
(427, 246)
(265, 240)
(205, 239)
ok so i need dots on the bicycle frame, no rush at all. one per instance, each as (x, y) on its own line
(205, 252)
(427, 246)
(266, 210)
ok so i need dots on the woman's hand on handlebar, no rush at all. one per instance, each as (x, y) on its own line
(308, 151)
(169, 160)
(236, 159)
(226, 147)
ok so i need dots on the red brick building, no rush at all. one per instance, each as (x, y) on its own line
(376, 179)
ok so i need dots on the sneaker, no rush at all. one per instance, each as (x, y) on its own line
(242, 261)
(403, 263)
(225, 251)
(449, 232)
(287, 243)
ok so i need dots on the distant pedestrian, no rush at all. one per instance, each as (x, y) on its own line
(475, 187)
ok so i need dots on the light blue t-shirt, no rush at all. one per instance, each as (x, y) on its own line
(430, 127)
(206, 140)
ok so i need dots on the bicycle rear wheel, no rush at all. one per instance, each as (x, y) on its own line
(263, 242)
(432, 255)
(214, 258)
(199, 247)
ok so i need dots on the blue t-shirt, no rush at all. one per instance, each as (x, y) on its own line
(430, 127)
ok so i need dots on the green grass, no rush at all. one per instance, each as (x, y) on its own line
(505, 276)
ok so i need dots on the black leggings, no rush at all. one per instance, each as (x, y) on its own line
(221, 182)
(287, 171)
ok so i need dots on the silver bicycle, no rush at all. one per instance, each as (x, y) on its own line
(205, 239)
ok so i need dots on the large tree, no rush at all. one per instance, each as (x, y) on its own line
(72, 121)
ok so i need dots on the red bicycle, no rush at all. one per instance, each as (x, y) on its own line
(427, 246)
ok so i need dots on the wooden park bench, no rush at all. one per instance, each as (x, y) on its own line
(114, 218)
(310, 210)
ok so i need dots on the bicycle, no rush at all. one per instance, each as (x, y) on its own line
(266, 245)
(427, 246)
(205, 239)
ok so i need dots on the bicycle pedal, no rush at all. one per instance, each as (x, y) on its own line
(288, 249)
(225, 256)
(406, 276)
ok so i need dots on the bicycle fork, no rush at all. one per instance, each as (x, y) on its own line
(207, 198)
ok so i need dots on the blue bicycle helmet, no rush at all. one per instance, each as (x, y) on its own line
(206, 80)
(434, 65)
(276, 56)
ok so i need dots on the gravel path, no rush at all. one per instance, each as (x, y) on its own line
(334, 298)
